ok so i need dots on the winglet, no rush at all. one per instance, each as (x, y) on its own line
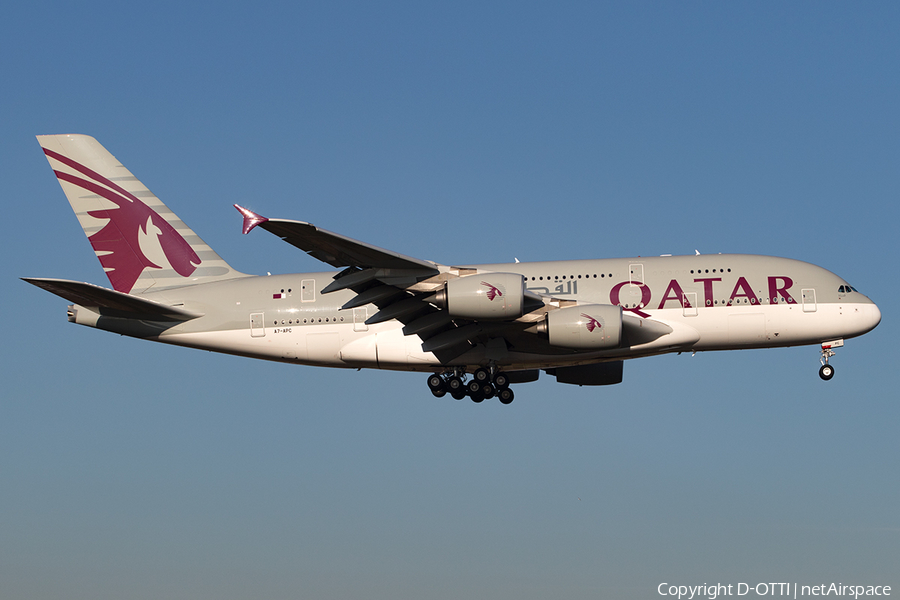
(251, 219)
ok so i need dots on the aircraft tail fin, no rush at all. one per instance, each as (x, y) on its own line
(140, 243)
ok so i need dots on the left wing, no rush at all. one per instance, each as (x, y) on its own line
(406, 289)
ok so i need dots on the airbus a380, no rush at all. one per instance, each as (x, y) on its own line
(475, 329)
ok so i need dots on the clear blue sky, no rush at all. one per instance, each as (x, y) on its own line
(462, 132)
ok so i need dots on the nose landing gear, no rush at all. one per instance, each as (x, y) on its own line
(826, 372)
(483, 385)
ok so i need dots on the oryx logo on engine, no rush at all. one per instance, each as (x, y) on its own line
(592, 323)
(493, 291)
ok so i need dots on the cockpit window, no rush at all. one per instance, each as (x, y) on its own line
(846, 289)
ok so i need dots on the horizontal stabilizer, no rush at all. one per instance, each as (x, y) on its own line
(126, 305)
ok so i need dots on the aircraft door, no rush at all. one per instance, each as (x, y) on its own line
(308, 290)
(257, 325)
(809, 300)
(689, 304)
(636, 273)
(359, 319)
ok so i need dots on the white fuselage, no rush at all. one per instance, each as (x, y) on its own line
(742, 302)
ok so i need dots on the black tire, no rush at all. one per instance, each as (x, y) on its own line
(501, 381)
(477, 398)
(473, 387)
(488, 391)
(458, 394)
(436, 382)
(439, 393)
(482, 375)
(506, 396)
(454, 383)
(826, 372)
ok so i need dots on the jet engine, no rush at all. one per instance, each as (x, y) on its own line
(584, 327)
(488, 296)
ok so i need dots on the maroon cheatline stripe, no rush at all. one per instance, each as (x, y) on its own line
(92, 174)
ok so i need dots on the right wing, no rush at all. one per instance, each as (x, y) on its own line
(335, 249)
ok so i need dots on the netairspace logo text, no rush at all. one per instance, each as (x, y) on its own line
(793, 590)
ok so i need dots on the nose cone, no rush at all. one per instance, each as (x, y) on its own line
(859, 318)
(871, 317)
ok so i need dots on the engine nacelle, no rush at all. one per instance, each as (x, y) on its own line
(584, 327)
(484, 297)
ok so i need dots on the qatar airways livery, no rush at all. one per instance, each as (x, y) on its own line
(475, 329)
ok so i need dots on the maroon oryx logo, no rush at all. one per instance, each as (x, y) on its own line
(592, 323)
(493, 291)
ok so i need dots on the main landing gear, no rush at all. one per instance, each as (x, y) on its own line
(484, 385)
(827, 371)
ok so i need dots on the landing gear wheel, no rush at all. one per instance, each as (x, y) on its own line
(477, 398)
(474, 387)
(505, 395)
(455, 384)
(435, 383)
(487, 390)
(501, 381)
(439, 393)
(458, 394)
(827, 371)
(482, 375)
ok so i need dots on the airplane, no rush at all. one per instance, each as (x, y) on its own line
(475, 329)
